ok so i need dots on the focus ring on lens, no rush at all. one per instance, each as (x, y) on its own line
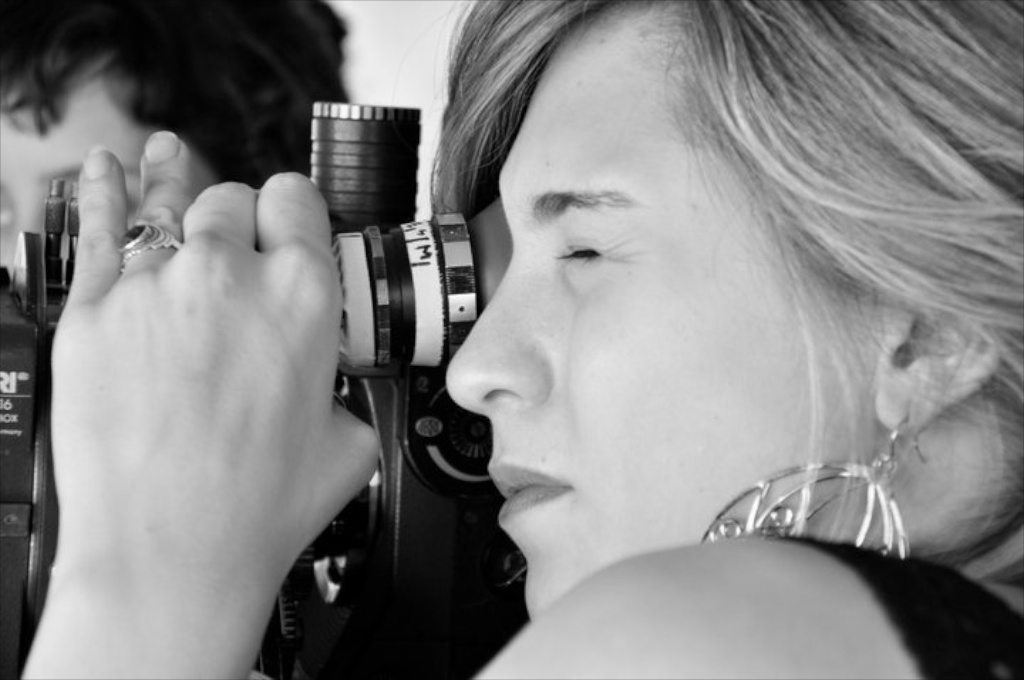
(459, 278)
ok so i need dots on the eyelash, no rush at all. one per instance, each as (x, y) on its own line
(584, 254)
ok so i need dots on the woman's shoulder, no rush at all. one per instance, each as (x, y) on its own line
(732, 609)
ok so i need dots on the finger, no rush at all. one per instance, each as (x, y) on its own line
(350, 458)
(102, 210)
(225, 212)
(166, 183)
(291, 210)
(166, 192)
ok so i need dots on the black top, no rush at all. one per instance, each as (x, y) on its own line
(950, 625)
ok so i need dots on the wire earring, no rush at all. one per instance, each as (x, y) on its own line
(785, 504)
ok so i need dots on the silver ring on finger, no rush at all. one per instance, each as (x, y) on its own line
(144, 237)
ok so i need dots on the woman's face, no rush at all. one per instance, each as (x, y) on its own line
(640, 362)
(28, 161)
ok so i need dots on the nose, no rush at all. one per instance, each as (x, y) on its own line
(505, 361)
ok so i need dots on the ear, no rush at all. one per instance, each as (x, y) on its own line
(923, 369)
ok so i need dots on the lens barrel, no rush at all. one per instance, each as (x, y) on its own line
(409, 288)
(364, 161)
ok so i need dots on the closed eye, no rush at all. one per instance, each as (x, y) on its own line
(584, 254)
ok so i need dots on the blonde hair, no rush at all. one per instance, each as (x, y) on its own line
(882, 142)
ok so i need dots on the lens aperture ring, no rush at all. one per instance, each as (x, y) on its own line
(425, 267)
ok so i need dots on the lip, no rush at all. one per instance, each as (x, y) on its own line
(529, 497)
(524, 489)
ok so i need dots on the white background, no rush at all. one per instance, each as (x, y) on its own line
(395, 55)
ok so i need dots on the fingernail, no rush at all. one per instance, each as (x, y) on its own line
(97, 163)
(162, 146)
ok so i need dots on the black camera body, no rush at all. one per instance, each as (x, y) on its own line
(28, 504)
(414, 579)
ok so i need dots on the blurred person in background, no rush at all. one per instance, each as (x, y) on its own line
(235, 78)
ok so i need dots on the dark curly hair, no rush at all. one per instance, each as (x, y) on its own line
(235, 78)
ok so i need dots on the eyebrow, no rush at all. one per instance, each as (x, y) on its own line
(553, 204)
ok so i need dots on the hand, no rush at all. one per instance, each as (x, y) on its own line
(197, 448)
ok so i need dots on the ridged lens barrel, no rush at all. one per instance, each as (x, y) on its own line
(364, 161)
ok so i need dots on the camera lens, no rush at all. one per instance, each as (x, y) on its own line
(409, 288)
(364, 161)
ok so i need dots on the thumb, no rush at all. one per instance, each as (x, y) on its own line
(350, 457)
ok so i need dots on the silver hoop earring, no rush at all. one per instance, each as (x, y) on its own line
(785, 504)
